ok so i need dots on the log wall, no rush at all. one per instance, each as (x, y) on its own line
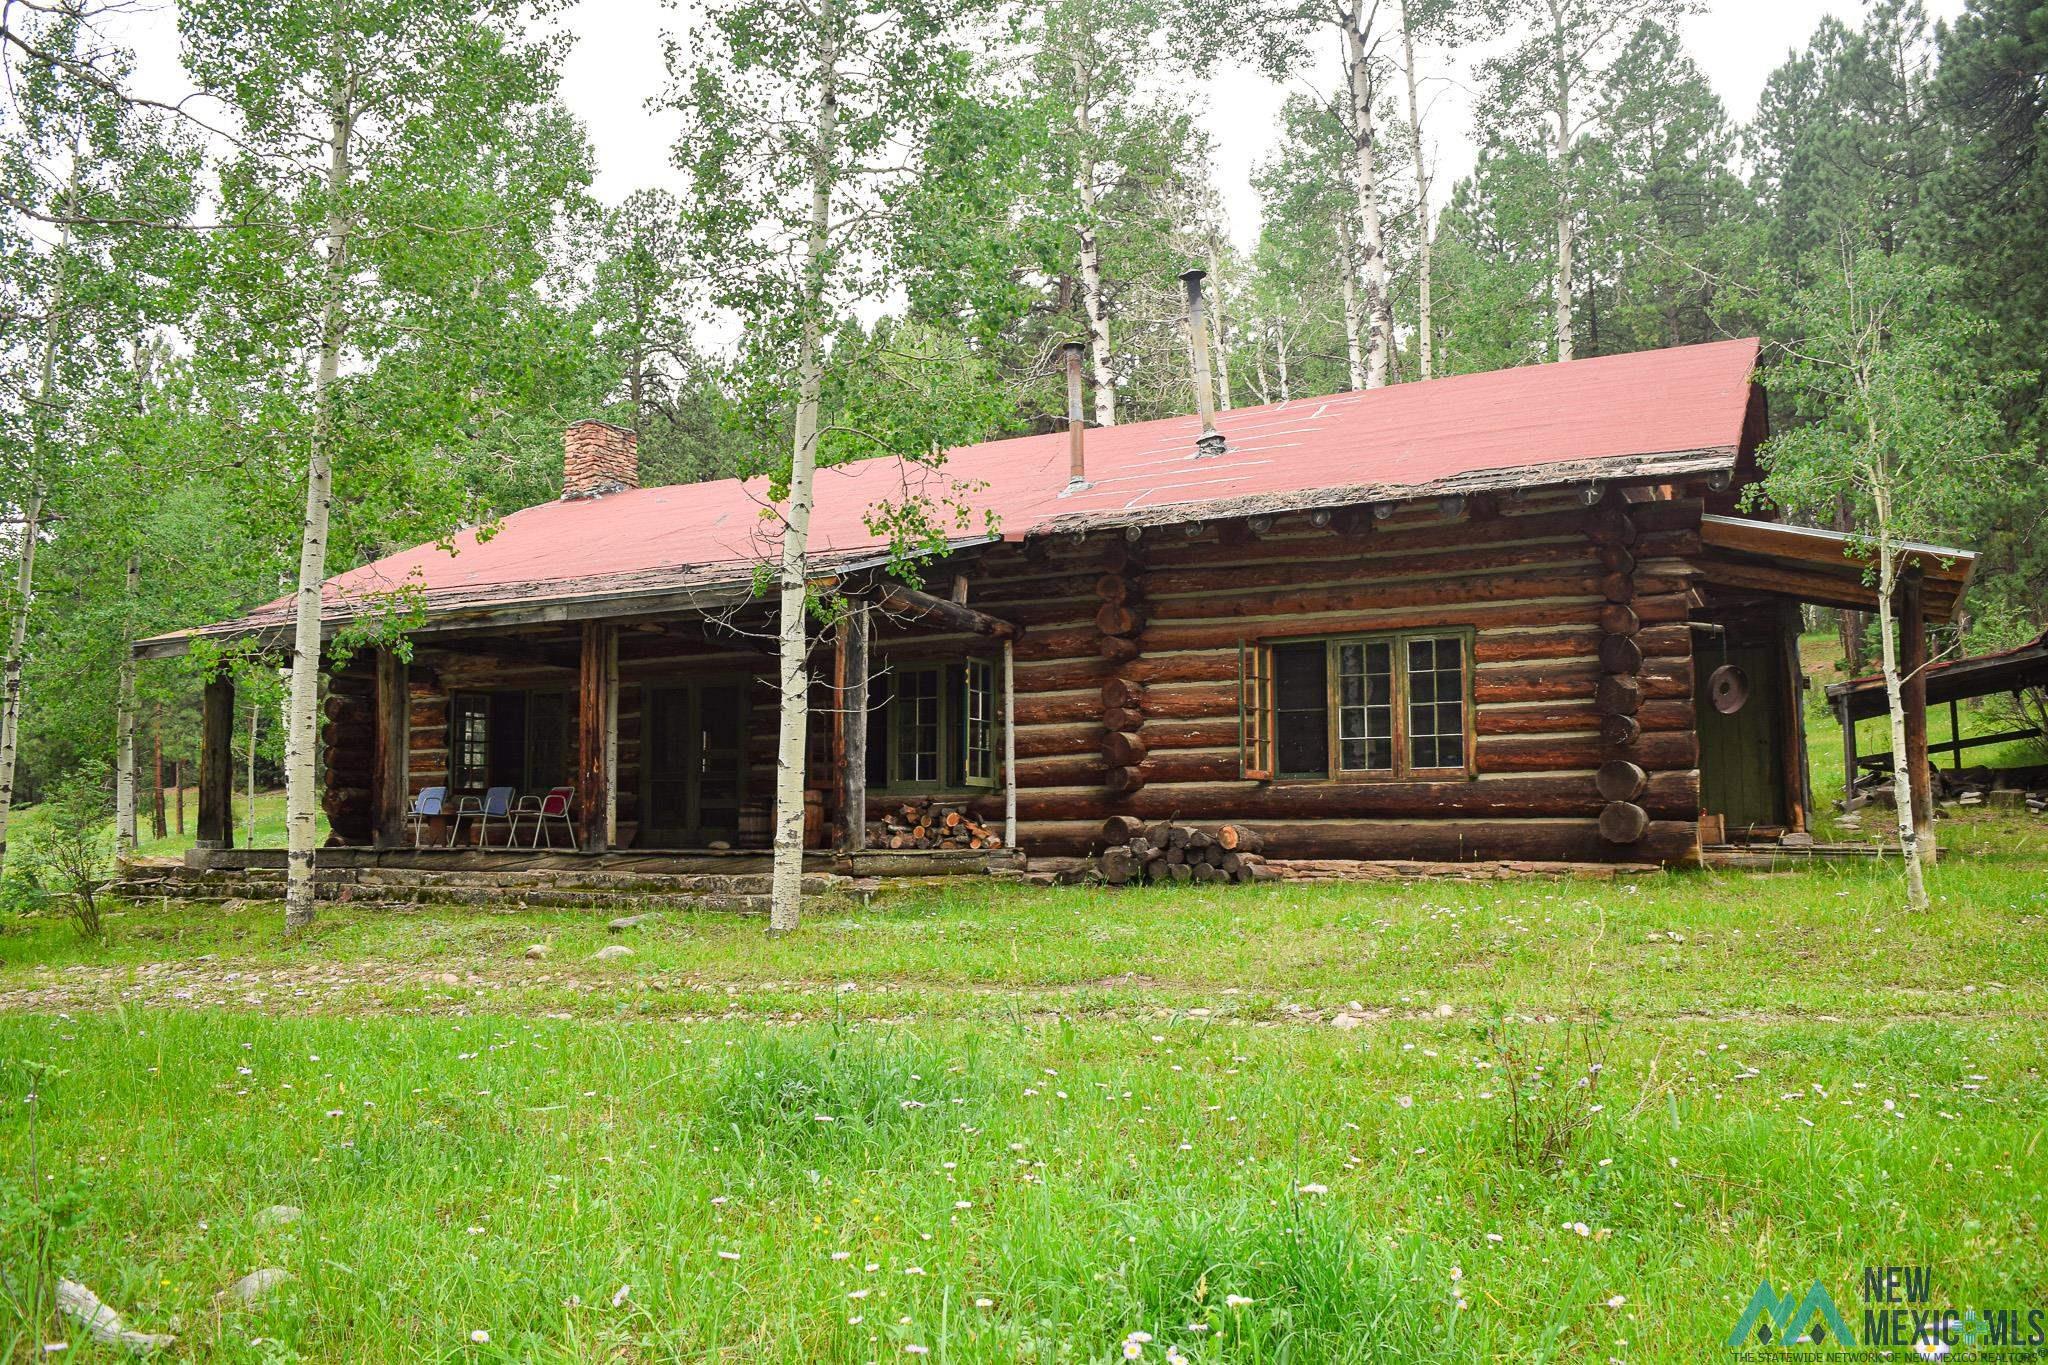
(1127, 679)
(1127, 676)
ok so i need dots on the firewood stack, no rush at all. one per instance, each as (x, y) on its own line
(1168, 852)
(932, 824)
(1620, 781)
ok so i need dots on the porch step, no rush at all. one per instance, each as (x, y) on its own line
(588, 888)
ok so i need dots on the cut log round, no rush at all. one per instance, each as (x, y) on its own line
(1180, 872)
(1117, 650)
(1618, 587)
(1240, 839)
(1122, 692)
(1119, 830)
(1620, 731)
(1117, 619)
(1123, 718)
(1122, 748)
(1118, 867)
(1620, 654)
(1613, 527)
(1155, 869)
(1623, 822)
(1617, 559)
(1618, 618)
(1620, 780)
(1119, 781)
(1115, 588)
(1619, 695)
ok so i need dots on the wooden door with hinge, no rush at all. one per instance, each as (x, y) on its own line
(1742, 755)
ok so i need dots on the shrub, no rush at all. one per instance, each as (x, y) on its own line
(73, 851)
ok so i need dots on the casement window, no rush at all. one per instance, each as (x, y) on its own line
(1357, 707)
(932, 727)
(509, 739)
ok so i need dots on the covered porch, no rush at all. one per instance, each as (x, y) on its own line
(1756, 786)
(642, 729)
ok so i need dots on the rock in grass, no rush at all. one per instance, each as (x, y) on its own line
(612, 952)
(258, 1285)
(625, 922)
(1348, 1021)
(279, 1214)
(102, 1323)
(537, 950)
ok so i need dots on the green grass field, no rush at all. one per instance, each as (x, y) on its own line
(1256, 1123)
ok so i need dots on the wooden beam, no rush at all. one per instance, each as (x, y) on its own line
(611, 737)
(1804, 585)
(1010, 744)
(216, 763)
(392, 740)
(593, 793)
(898, 600)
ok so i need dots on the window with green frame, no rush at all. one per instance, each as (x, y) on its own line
(1396, 704)
(932, 726)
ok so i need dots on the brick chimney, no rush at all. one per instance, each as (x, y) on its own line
(598, 458)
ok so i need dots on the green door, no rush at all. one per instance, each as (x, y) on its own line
(693, 763)
(1742, 756)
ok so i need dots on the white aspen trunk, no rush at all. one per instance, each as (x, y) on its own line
(1280, 358)
(17, 653)
(1222, 347)
(1903, 775)
(1354, 344)
(31, 526)
(1260, 380)
(1372, 248)
(1092, 302)
(1425, 342)
(1562, 284)
(124, 725)
(785, 903)
(302, 726)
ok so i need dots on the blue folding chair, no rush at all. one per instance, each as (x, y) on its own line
(496, 805)
(426, 806)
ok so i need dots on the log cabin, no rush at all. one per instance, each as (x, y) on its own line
(1519, 615)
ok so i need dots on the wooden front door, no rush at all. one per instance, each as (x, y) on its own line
(694, 765)
(1742, 756)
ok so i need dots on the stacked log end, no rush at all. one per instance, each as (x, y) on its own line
(1134, 851)
(932, 824)
(1619, 696)
(1118, 621)
(350, 743)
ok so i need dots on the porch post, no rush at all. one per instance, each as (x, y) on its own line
(1009, 744)
(853, 717)
(216, 763)
(611, 738)
(393, 739)
(1798, 780)
(1913, 695)
(593, 792)
(1849, 801)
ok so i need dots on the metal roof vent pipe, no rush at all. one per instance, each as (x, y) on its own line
(1077, 424)
(1210, 442)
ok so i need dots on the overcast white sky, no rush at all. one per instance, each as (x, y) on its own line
(616, 66)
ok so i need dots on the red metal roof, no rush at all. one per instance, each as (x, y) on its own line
(1531, 425)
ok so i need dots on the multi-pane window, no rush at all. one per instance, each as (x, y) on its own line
(470, 718)
(510, 739)
(979, 697)
(917, 727)
(933, 726)
(1357, 706)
